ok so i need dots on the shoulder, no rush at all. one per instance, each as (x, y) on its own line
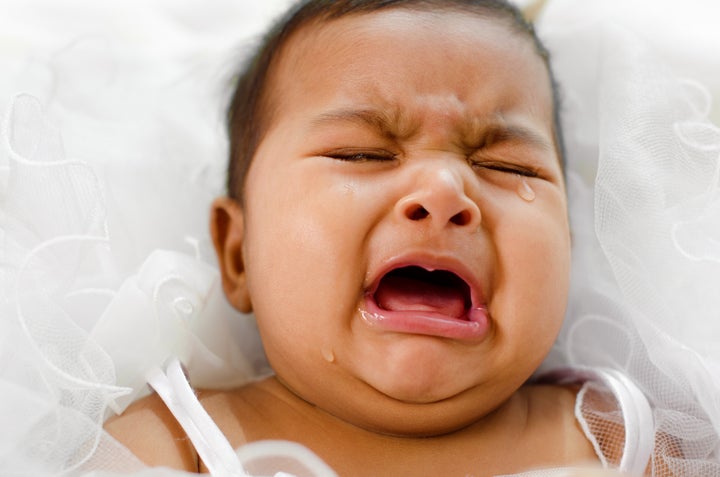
(551, 412)
(150, 431)
(255, 411)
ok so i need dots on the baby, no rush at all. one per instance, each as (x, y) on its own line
(397, 222)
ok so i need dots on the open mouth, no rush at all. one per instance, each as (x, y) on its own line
(416, 289)
(413, 299)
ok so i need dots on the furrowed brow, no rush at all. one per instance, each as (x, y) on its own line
(499, 130)
(380, 121)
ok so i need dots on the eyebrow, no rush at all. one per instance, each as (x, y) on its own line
(482, 131)
(499, 130)
(390, 125)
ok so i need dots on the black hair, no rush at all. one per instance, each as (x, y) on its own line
(248, 111)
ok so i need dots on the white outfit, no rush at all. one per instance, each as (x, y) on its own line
(106, 269)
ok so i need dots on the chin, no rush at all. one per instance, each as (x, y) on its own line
(411, 409)
(405, 418)
(414, 390)
(421, 370)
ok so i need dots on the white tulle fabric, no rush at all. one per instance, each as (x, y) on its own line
(106, 272)
(640, 124)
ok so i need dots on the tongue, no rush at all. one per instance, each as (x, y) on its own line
(402, 293)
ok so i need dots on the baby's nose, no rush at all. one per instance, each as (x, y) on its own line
(439, 198)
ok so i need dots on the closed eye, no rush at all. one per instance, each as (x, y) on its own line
(502, 167)
(361, 155)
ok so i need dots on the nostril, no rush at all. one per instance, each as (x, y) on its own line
(461, 218)
(439, 211)
(417, 212)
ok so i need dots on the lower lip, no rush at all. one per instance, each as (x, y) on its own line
(473, 327)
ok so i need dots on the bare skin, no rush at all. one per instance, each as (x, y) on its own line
(268, 410)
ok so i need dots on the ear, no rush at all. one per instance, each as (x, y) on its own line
(227, 230)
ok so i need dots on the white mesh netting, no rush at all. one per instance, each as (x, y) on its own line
(647, 260)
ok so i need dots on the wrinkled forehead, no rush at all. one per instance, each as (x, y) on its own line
(436, 24)
(395, 52)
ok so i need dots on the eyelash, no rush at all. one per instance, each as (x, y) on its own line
(383, 156)
(505, 168)
(362, 156)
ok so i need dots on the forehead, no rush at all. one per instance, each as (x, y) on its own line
(414, 66)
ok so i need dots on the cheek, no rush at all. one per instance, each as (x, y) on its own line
(303, 249)
(532, 284)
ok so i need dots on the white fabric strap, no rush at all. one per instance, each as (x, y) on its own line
(211, 445)
(637, 413)
(639, 421)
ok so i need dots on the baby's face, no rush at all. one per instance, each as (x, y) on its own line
(405, 241)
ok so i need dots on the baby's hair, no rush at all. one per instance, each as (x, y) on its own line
(249, 112)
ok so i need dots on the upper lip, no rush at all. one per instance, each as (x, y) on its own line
(432, 262)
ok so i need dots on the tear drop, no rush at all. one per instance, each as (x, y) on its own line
(525, 191)
(328, 355)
